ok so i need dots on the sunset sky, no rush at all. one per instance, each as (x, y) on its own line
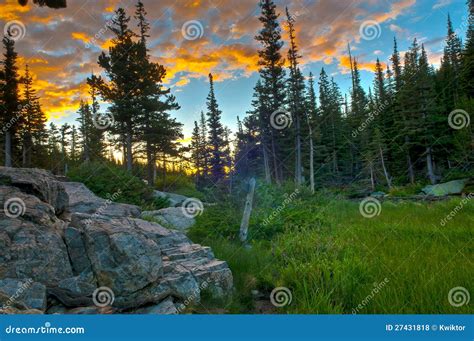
(62, 46)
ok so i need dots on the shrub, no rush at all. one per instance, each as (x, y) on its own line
(105, 179)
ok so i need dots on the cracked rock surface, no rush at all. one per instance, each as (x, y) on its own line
(64, 250)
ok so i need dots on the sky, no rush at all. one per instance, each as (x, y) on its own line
(192, 38)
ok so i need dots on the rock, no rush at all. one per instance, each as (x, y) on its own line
(22, 294)
(83, 200)
(175, 200)
(15, 311)
(66, 258)
(82, 285)
(31, 243)
(75, 245)
(378, 194)
(447, 188)
(172, 217)
(166, 307)
(40, 183)
(121, 258)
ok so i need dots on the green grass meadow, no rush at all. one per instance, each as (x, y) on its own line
(334, 260)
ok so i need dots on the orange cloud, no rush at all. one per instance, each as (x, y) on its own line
(345, 65)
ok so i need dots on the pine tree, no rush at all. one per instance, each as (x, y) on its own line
(122, 64)
(65, 132)
(314, 133)
(296, 97)
(53, 148)
(216, 135)
(11, 117)
(85, 127)
(95, 129)
(33, 129)
(382, 118)
(273, 82)
(450, 71)
(467, 70)
(153, 100)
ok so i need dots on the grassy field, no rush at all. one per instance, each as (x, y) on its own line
(334, 260)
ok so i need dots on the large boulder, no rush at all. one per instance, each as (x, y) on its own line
(68, 261)
(121, 258)
(83, 200)
(144, 263)
(31, 243)
(175, 200)
(40, 183)
(448, 188)
(172, 217)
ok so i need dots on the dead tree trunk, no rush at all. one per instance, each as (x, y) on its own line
(244, 225)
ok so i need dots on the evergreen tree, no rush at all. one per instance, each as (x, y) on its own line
(11, 116)
(33, 129)
(65, 132)
(85, 127)
(314, 133)
(216, 136)
(296, 97)
(467, 71)
(272, 90)
(153, 100)
(122, 64)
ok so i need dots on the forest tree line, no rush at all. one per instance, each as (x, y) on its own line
(300, 128)
(411, 125)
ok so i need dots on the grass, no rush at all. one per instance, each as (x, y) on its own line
(334, 260)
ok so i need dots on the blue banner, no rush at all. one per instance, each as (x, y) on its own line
(237, 327)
